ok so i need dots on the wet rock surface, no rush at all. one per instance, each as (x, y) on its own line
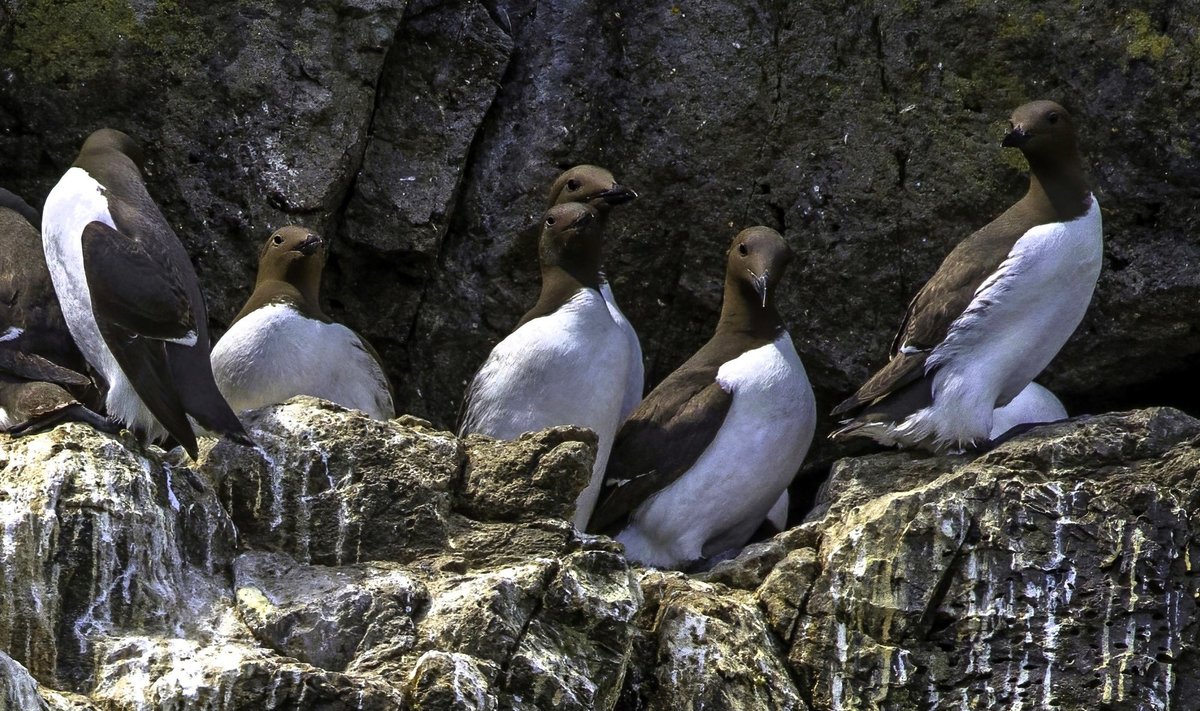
(328, 568)
(1054, 571)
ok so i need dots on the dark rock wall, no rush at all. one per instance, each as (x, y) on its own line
(422, 138)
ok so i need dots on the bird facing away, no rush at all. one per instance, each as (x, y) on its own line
(41, 371)
(282, 344)
(998, 309)
(566, 362)
(596, 187)
(699, 464)
(130, 296)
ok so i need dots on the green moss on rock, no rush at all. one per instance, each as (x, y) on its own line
(1146, 43)
(74, 40)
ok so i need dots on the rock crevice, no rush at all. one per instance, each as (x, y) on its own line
(350, 563)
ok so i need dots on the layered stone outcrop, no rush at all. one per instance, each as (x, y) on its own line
(350, 563)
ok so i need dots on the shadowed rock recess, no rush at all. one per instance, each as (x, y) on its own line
(355, 564)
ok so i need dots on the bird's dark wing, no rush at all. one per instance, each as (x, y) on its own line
(38, 406)
(942, 300)
(29, 304)
(144, 361)
(133, 290)
(33, 367)
(659, 442)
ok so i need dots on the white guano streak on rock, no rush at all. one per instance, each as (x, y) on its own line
(304, 521)
(343, 527)
(838, 683)
(1127, 557)
(271, 466)
(1105, 637)
(1056, 595)
(276, 474)
(21, 687)
(1137, 539)
(99, 612)
(171, 499)
(837, 665)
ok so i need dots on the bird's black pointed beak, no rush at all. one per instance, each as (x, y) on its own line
(583, 220)
(1016, 138)
(616, 195)
(309, 246)
(759, 282)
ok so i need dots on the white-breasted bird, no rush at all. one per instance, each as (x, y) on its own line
(131, 297)
(282, 344)
(699, 464)
(998, 309)
(567, 360)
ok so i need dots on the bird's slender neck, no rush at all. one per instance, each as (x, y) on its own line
(309, 292)
(742, 311)
(1059, 184)
(568, 279)
(602, 212)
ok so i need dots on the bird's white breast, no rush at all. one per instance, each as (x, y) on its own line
(74, 202)
(1019, 319)
(719, 502)
(275, 353)
(565, 368)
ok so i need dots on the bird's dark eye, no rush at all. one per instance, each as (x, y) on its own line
(277, 239)
(1053, 117)
(549, 220)
(572, 185)
(742, 250)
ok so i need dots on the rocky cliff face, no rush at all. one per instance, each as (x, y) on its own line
(353, 564)
(421, 136)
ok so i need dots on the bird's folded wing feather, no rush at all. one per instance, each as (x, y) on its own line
(133, 290)
(32, 367)
(659, 442)
(931, 312)
(144, 362)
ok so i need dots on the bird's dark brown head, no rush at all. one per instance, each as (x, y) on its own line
(571, 241)
(13, 202)
(756, 262)
(1043, 131)
(295, 255)
(110, 139)
(589, 184)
